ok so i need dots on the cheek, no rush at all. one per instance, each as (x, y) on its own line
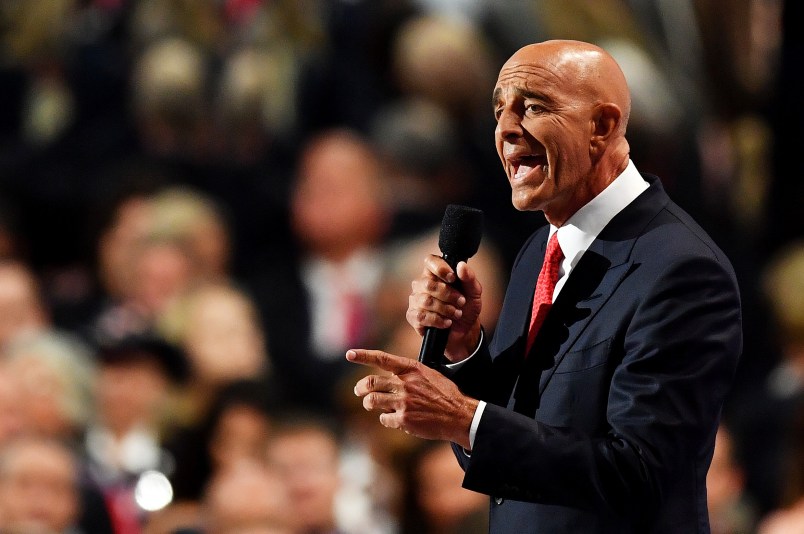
(498, 144)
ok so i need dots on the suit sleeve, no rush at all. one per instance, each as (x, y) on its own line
(678, 350)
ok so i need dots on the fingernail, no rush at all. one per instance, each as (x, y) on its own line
(461, 300)
(350, 355)
(458, 314)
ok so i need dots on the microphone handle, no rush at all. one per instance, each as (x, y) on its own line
(434, 342)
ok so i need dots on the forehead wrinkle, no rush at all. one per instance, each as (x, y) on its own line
(528, 78)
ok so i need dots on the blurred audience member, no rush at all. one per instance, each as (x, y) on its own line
(235, 429)
(39, 490)
(52, 377)
(245, 498)
(128, 226)
(305, 453)
(431, 52)
(765, 417)
(56, 375)
(168, 92)
(317, 308)
(121, 239)
(730, 509)
(262, 504)
(164, 268)
(437, 504)
(789, 517)
(371, 477)
(190, 217)
(218, 327)
(254, 103)
(124, 442)
(21, 307)
(157, 246)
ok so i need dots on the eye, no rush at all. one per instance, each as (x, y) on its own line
(534, 108)
(497, 113)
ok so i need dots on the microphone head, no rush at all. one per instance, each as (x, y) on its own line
(461, 231)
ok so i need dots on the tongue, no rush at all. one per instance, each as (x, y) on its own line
(523, 170)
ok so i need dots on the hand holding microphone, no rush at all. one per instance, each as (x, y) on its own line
(438, 293)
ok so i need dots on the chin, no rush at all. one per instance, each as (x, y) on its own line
(524, 202)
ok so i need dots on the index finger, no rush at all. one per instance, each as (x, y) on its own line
(437, 266)
(377, 358)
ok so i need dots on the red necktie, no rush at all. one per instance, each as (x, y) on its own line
(545, 286)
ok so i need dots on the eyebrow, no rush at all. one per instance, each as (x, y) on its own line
(520, 92)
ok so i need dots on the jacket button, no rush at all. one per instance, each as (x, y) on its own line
(498, 500)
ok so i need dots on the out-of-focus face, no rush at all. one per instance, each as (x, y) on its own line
(261, 505)
(307, 461)
(42, 397)
(240, 435)
(335, 204)
(38, 487)
(20, 309)
(223, 339)
(130, 393)
(439, 490)
(163, 272)
(119, 243)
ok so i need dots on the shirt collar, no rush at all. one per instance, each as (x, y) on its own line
(580, 230)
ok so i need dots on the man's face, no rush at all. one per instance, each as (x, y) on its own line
(544, 125)
(38, 489)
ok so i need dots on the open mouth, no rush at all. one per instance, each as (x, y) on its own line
(525, 164)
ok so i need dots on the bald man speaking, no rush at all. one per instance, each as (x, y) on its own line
(594, 408)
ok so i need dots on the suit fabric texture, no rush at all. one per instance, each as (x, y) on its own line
(608, 424)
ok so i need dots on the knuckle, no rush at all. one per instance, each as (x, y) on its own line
(370, 401)
(371, 382)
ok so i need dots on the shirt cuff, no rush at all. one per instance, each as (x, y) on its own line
(458, 365)
(476, 423)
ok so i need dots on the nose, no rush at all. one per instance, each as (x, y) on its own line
(509, 124)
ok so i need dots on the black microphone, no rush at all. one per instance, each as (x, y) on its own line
(459, 239)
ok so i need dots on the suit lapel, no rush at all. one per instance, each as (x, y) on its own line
(598, 274)
(515, 315)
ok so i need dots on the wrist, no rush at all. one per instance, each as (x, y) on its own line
(467, 415)
(471, 343)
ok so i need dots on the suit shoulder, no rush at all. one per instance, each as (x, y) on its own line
(673, 233)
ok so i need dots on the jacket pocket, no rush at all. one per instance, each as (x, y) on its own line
(587, 358)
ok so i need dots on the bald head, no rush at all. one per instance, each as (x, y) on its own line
(586, 70)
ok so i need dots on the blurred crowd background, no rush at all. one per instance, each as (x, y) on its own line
(204, 203)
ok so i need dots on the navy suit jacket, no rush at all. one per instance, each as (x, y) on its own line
(608, 425)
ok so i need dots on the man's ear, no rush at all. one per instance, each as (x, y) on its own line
(606, 122)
